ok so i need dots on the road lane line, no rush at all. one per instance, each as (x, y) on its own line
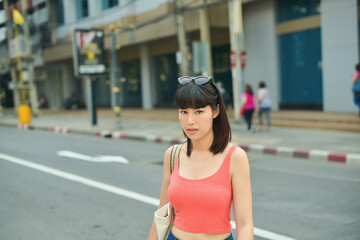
(98, 159)
(86, 181)
(119, 191)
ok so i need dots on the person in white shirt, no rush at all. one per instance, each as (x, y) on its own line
(264, 105)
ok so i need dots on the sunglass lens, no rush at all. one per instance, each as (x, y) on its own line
(202, 80)
(184, 80)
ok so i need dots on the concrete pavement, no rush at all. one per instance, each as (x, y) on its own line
(161, 126)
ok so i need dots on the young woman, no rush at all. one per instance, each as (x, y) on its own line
(248, 103)
(210, 173)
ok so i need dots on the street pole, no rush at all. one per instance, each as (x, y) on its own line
(2, 94)
(19, 64)
(9, 33)
(205, 35)
(181, 36)
(30, 61)
(24, 112)
(115, 89)
(91, 99)
(237, 45)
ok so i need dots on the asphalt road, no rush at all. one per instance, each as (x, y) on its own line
(47, 196)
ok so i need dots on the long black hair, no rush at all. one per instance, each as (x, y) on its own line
(192, 95)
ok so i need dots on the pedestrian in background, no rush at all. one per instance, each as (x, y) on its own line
(264, 100)
(356, 86)
(225, 95)
(248, 106)
(210, 174)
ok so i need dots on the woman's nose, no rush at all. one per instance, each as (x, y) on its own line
(191, 118)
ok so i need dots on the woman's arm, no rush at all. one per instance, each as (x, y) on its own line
(243, 101)
(354, 78)
(163, 197)
(260, 96)
(242, 199)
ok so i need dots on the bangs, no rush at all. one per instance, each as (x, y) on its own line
(195, 96)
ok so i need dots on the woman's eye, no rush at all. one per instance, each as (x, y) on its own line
(183, 112)
(199, 111)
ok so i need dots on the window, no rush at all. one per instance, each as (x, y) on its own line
(59, 11)
(294, 9)
(166, 72)
(82, 9)
(109, 3)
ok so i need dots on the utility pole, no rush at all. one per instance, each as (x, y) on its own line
(9, 33)
(24, 112)
(237, 45)
(30, 62)
(205, 34)
(115, 88)
(181, 36)
(91, 98)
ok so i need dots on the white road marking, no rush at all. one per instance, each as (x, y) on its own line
(120, 191)
(100, 158)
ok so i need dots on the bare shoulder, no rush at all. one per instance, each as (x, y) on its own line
(168, 155)
(239, 161)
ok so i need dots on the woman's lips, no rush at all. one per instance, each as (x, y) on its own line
(192, 130)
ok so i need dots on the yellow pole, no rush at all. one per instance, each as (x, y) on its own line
(24, 112)
(19, 65)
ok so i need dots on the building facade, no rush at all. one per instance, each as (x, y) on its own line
(304, 50)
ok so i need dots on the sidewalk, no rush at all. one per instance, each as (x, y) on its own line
(161, 125)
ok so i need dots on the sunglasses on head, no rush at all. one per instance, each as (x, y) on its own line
(198, 80)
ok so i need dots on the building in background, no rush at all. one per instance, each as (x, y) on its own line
(304, 50)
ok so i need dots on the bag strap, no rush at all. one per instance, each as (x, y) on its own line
(175, 152)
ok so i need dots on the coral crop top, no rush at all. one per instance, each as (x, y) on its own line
(202, 205)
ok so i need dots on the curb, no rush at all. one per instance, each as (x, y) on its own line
(62, 130)
(149, 138)
(23, 126)
(315, 155)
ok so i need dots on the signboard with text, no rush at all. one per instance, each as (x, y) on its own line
(88, 49)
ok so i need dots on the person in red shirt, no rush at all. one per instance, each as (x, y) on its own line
(249, 107)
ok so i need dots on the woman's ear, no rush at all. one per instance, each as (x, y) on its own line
(216, 112)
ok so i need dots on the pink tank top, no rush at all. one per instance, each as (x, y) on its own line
(203, 205)
(250, 104)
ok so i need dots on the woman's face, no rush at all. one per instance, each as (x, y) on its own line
(197, 123)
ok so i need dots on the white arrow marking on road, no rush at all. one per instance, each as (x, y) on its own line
(119, 191)
(100, 158)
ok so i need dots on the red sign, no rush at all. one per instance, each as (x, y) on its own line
(232, 59)
(242, 59)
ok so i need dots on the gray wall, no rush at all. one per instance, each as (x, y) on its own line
(340, 52)
(261, 46)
